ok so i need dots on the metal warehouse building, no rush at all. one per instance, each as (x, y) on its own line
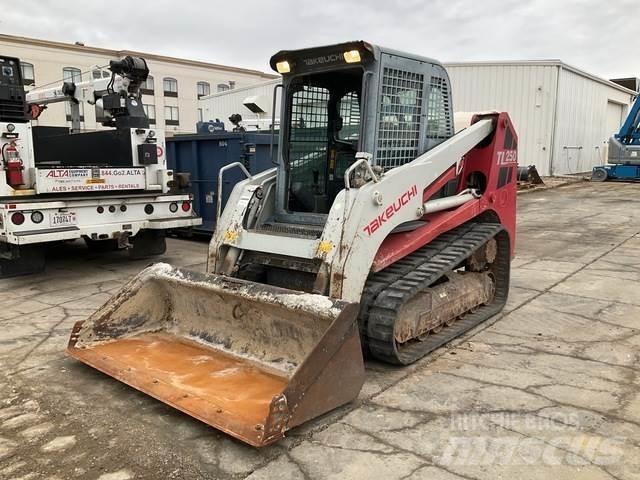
(564, 116)
(244, 101)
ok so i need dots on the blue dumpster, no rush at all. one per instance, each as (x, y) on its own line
(202, 155)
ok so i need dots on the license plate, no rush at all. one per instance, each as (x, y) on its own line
(62, 219)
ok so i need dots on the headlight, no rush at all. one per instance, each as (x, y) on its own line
(11, 127)
(352, 56)
(283, 67)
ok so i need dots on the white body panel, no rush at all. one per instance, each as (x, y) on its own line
(351, 222)
(87, 179)
(42, 184)
(88, 222)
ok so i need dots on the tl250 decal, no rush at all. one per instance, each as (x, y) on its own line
(507, 157)
(391, 210)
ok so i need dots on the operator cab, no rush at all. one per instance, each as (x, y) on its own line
(348, 98)
(323, 124)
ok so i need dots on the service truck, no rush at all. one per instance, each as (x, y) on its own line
(110, 187)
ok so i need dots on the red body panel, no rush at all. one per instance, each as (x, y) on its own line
(497, 162)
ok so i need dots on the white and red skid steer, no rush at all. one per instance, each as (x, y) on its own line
(380, 232)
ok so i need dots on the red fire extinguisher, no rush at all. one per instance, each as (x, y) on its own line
(12, 164)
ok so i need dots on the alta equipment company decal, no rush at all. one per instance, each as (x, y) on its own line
(61, 180)
(391, 210)
(68, 173)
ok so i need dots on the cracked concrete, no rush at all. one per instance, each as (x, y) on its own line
(547, 389)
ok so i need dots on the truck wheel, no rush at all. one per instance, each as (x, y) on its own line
(599, 175)
(148, 243)
(101, 246)
(21, 260)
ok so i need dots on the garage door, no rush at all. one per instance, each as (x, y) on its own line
(614, 118)
(615, 112)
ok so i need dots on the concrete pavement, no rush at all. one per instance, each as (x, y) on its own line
(548, 389)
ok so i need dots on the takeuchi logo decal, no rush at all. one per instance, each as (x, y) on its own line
(331, 58)
(391, 210)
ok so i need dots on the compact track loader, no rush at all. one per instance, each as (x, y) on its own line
(379, 231)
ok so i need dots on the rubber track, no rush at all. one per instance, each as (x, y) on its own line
(388, 290)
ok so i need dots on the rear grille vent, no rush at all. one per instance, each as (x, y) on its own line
(439, 124)
(401, 105)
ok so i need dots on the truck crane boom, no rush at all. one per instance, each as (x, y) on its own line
(109, 187)
(118, 95)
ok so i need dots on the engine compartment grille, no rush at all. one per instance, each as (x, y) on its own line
(306, 231)
(400, 114)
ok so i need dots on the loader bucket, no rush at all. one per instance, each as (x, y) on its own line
(249, 359)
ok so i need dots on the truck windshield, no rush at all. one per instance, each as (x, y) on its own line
(323, 133)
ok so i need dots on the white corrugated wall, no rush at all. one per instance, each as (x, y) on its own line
(224, 104)
(563, 116)
(527, 92)
(584, 121)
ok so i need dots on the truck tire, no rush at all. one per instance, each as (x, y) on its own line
(21, 260)
(599, 175)
(148, 243)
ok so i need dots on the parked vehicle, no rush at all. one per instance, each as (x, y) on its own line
(624, 151)
(110, 187)
(378, 229)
